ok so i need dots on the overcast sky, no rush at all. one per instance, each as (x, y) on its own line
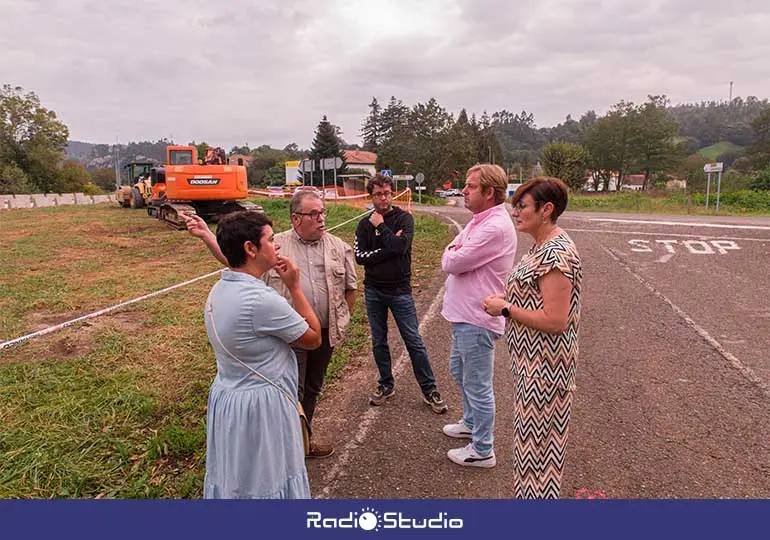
(264, 72)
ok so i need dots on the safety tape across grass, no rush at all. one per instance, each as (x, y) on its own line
(56, 327)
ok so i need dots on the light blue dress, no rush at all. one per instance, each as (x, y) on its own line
(253, 434)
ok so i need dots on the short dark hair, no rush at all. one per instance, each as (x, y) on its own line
(544, 189)
(380, 180)
(237, 228)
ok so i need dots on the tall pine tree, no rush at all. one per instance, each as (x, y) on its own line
(371, 131)
(327, 144)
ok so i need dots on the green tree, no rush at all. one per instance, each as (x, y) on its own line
(566, 161)
(13, 181)
(265, 158)
(759, 152)
(200, 148)
(275, 175)
(371, 131)
(293, 151)
(73, 178)
(761, 181)
(104, 178)
(328, 144)
(244, 150)
(652, 140)
(31, 137)
(609, 144)
(488, 148)
(690, 169)
(462, 150)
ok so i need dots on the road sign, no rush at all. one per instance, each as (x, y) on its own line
(386, 172)
(420, 188)
(420, 178)
(328, 164)
(713, 167)
(306, 165)
(403, 177)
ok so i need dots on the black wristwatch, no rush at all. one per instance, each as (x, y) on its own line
(505, 312)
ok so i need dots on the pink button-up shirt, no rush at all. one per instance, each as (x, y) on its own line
(478, 262)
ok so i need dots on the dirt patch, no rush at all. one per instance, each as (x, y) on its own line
(122, 321)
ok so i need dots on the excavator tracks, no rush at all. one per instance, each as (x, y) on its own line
(171, 212)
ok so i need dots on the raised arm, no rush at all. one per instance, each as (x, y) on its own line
(198, 228)
(366, 253)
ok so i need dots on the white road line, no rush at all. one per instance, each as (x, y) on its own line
(373, 413)
(669, 235)
(743, 369)
(685, 224)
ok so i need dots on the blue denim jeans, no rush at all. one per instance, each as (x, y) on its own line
(404, 312)
(472, 366)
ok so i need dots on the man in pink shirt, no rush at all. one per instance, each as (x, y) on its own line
(477, 262)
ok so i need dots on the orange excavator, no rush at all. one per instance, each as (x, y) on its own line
(209, 187)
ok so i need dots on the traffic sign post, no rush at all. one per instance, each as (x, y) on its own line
(709, 168)
(305, 166)
(332, 163)
(405, 177)
(420, 178)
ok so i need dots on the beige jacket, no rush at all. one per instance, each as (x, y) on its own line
(336, 251)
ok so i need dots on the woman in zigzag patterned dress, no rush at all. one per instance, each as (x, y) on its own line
(542, 307)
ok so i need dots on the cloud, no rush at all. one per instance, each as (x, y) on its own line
(235, 72)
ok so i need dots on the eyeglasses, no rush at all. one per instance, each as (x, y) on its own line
(382, 195)
(313, 213)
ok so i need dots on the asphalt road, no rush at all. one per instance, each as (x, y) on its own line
(673, 394)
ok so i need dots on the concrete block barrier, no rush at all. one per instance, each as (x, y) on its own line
(21, 201)
(5, 201)
(43, 201)
(64, 199)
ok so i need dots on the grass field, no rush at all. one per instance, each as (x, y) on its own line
(739, 203)
(715, 150)
(115, 407)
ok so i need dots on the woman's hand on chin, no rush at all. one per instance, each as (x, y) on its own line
(287, 271)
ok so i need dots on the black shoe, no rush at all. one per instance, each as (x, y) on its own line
(381, 395)
(435, 401)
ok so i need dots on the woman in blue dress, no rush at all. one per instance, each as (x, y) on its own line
(254, 447)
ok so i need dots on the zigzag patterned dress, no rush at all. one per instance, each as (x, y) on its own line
(543, 367)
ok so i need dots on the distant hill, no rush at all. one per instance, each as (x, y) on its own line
(79, 151)
(103, 155)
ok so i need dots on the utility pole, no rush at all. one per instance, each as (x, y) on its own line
(731, 92)
(117, 164)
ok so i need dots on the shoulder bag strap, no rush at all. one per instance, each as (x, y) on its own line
(210, 309)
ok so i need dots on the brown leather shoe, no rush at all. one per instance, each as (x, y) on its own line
(318, 451)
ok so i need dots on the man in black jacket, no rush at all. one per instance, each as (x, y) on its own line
(383, 247)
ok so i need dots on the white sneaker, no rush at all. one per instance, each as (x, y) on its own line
(468, 457)
(458, 430)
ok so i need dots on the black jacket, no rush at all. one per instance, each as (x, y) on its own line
(386, 258)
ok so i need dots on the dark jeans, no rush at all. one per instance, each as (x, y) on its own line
(402, 306)
(312, 371)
